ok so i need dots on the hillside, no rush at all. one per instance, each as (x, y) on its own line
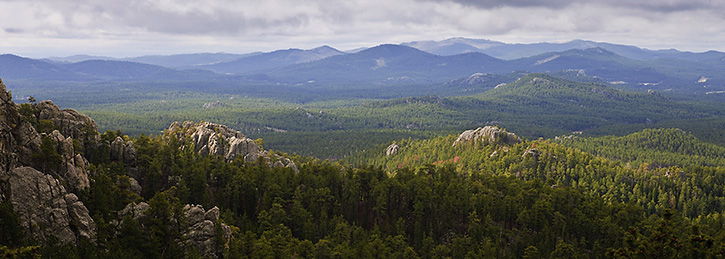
(652, 147)
(16, 67)
(660, 171)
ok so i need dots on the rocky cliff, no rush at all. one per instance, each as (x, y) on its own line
(39, 169)
(45, 137)
(45, 208)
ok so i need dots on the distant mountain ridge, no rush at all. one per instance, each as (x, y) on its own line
(18, 68)
(171, 61)
(388, 64)
(508, 51)
(279, 58)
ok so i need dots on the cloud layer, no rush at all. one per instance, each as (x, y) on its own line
(174, 26)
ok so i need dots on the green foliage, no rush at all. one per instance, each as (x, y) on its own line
(11, 232)
(48, 158)
(20, 252)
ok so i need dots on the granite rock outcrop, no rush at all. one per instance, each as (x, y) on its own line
(40, 169)
(487, 135)
(45, 208)
(219, 140)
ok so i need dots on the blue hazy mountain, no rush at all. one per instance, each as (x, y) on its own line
(171, 61)
(508, 51)
(388, 64)
(269, 60)
(19, 68)
(16, 67)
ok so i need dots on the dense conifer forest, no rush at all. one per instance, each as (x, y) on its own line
(533, 199)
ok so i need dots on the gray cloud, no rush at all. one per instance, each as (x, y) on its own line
(251, 25)
(665, 6)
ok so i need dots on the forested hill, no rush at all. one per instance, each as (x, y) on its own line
(587, 104)
(663, 180)
(652, 148)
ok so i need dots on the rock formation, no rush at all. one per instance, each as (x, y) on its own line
(18, 138)
(488, 135)
(69, 122)
(73, 166)
(392, 150)
(44, 207)
(123, 151)
(201, 228)
(219, 140)
(39, 191)
(215, 139)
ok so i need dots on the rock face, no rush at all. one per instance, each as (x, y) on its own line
(488, 135)
(43, 200)
(123, 151)
(216, 139)
(73, 167)
(18, 138)
(201, 230)
(45, 208)
(69, 122)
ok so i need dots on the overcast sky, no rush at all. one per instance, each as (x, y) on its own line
(121, 28)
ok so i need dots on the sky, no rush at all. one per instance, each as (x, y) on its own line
(126, 28)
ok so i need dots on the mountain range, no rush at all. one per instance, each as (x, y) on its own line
(453, 46)
(412, 63)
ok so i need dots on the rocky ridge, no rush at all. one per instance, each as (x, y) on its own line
(216, 139)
